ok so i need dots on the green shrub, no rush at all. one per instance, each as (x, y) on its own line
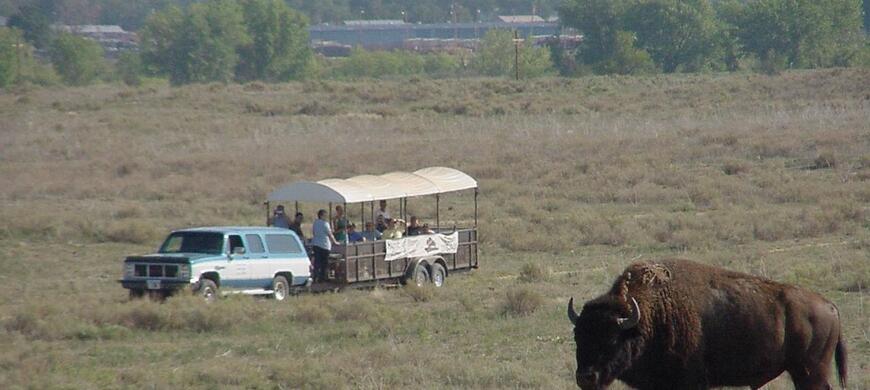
(77, 60)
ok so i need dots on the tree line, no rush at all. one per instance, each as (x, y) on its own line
(642, 36)
(266, 40)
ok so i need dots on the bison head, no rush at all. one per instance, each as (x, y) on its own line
(606, 335)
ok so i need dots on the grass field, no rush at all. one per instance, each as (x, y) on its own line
(768, 175)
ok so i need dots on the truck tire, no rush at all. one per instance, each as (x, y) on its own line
(421, 275)
(136, 294)
(280, 288)
(207, 289)
(439, 275)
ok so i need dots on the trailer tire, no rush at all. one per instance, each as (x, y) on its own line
(280, 288)
(439, 275)
(207, 289)
(420, 276)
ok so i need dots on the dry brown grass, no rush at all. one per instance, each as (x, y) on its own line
(766, 175)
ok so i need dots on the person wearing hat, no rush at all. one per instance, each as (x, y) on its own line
(279, 218)
(395, 229)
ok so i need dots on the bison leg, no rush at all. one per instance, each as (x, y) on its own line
(815, 380)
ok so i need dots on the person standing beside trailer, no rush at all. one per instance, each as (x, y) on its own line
(322, 241)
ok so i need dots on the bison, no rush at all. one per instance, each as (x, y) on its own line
(677, 324)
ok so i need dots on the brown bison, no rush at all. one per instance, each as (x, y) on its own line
(676, 324)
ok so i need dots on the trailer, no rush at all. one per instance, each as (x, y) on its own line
(418, 259)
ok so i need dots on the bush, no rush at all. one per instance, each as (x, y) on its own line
(522, 301)
(627, 58)
(825, 160)
(129, 69)
(77, 60)
(497, 53)
(534, 272)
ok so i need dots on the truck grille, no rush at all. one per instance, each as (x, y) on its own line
(155, 270)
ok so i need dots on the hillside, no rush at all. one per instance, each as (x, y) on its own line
(761, 174)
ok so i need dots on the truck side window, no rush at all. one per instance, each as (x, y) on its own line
(236, 242)
(282, 243)
(255, 243)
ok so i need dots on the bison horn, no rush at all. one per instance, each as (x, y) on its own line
(630, 322)
(572, 315)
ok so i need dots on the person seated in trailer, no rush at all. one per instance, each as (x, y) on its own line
(369, 232)
(279, 219)
(296, 226)
(381, 224)
(395, 228)
(414, 227)
(426, 230)
(339, 223)
(353, 235)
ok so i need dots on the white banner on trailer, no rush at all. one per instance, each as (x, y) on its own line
(424, 245)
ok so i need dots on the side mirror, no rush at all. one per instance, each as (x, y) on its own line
(239, 250)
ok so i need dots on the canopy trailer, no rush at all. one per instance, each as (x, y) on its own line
(416, 259)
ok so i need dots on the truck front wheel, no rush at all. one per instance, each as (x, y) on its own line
(207, 289)
(136, 294)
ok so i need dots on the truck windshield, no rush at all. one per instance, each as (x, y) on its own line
(193, 242)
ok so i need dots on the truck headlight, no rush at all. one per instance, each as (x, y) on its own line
(128, 270)
(184, 271)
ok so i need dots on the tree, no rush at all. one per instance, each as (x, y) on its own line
(867, 16)
(801, 33)
(195, 46)
(497, 52)
(158, 40)
(599, 21)
(278, 49)
(10, 56)
(677, 34)
(626, 57)
(129, 68)
(35, 22)
(77, 60)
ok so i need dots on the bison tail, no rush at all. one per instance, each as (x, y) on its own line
(840, 358)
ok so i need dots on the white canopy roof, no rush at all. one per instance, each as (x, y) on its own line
(366, 188)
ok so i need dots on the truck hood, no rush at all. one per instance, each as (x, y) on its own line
(174, 258)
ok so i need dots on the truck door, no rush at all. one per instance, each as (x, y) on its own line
(286, 253)
(237, 264)
(260, 270)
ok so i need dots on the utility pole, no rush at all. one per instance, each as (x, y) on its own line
(18, 58)
(517, 41)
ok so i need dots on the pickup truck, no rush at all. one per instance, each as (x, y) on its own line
(206, 260)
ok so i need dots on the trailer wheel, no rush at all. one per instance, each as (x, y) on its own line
(439, 275)
(207, 289)
(280, 288)
(421, 275)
